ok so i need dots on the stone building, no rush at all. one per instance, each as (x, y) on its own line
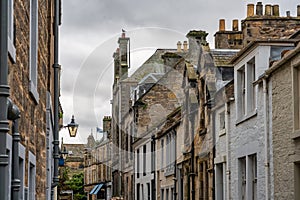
(283, 77)
(243, 119)
(250, 135)
(30, 78)
(97, 165)
(73, 155)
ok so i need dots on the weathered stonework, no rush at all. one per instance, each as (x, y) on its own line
(286, 148)
(33, 115)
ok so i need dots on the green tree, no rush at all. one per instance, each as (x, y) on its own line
(76, 184)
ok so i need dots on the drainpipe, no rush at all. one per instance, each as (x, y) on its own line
(14, 115)
(227, 113)
(4, 94)
(153, 138)
(56, 68)
(192, 158)
(266, 122)
(175, 165)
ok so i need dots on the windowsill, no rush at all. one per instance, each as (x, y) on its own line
(295, 135)
(246, 117)
(222, 132)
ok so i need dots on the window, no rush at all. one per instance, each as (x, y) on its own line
(168, 151)
(162, 194)
(246, 98)
(203, 177)
(153, 189)
(10, 45)
(297, 180)
(251, 89)
(138, 163)
(222, 121)
(138, 191)
(33, 50)
(152, 156)
(148, 191)
(248, 178)
(22, 151)
(144, 159)
(162, 154)
(167, 194)
(296, 76)
(241, 91)
(242, 178)
(220, 181)
(253, 167)
(31, 176)
(142, 192)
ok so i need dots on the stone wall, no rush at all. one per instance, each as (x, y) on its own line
(284, 147)
(33, 116)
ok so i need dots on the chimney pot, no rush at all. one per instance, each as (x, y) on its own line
(268, 10)
(222, 25)
(298, 10)
(123, 34)
(235, 25)
(288, 13)
(185, 46)
(250, 10)
(259, 9)
(179, 46)
(275, 10)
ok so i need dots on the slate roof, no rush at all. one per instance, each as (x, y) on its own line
(222, 57)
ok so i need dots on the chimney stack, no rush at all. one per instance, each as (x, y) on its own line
(250, 10)
(185, 46)
(298, 11)
(222, 25)
(235, 25)
(268, 10)
(179, 46)
(259, 9)
(275, 9)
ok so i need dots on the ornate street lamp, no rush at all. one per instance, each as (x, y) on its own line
(72, 127)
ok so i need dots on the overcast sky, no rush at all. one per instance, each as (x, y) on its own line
(88, 38)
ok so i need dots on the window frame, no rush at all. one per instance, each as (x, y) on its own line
(33, 50)
(11, 31)
(31, 175)
(246, 96)
(296, 97)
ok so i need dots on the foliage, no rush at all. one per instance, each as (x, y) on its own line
(75, 183)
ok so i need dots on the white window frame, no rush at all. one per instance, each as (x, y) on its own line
(246, 90)
(22, 151)
(11, 36)
(31, 176)
(33, 50)
(248, 177)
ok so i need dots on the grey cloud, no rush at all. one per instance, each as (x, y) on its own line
(88, 38)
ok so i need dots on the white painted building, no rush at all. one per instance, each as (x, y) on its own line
(243, 162)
